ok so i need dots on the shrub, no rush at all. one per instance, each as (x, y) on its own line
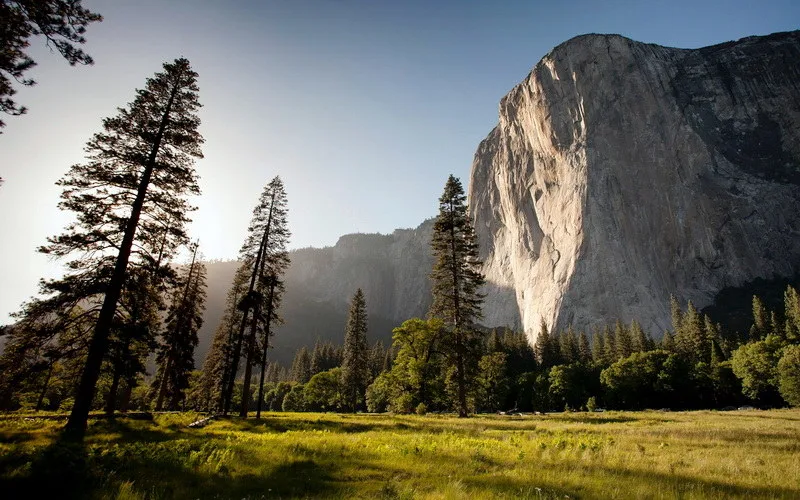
(294, 400)
(789, 375)
(421, 409)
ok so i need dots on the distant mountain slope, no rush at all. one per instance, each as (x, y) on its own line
(391, 269)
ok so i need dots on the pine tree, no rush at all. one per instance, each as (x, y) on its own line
(317, 362)
(599, 354)
(355, 365)
(138, 173)
(216, 366)
(62, 23)
(376, 358)
(456, 281)
(179, 340)
(690, 340)
(668, 342)
(264, 251)
(791, 302)
(543, 347)
(641, 342)
(569, 346)
(584, 351)
(301, 366)
(624, 341)
(132, 336)
(760, 326)
(610, 345)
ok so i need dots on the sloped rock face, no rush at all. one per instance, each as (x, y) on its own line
(621, 172)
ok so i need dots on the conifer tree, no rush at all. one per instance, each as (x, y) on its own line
(138, 172)
(301, 366)
(584, 351)
(456, 281)
(791, 302)
(569, 346)
(543, 347)
(624, 341)
(61, 22)
(216, 366)
(355, 365)
(179, 340)
(760, 326)
(641, 342)
(668, 342)
(264, 250)
(610, 345)
(599, 348)
(377, 354)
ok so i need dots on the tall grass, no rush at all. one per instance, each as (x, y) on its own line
(577, 455)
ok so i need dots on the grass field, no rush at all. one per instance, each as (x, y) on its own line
(749, 454)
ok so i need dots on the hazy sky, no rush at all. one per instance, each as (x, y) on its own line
(363, 107)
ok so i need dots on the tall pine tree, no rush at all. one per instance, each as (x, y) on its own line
(457, 281)
(179, 340)
(138, 172)
(355, 365)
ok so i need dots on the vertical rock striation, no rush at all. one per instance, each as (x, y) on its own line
(622, 172)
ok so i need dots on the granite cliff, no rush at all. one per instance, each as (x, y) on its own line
(622, 172)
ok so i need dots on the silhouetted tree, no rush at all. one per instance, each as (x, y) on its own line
(176, 353)
(139, 170)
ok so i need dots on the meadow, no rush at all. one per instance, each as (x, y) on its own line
(704, 454)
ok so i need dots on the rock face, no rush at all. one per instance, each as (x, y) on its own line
(623, 172)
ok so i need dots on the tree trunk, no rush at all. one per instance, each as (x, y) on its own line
(248, 366)
(43, 393)
(125, 400)
(266, 347)
(257, 272)
(76, 425)
(111, 399)
(237, 351)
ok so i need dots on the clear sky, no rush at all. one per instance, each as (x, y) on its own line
(363, 107)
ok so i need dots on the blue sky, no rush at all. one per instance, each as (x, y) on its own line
(362, 107)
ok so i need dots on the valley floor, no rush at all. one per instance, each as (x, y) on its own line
(741, 454)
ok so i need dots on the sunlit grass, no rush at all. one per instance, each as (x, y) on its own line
(286, 455)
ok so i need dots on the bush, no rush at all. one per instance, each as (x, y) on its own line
(756, 365)
(324, 391)
(379, 393)
(789, 375)
(294, 400)
(421, 409)
(591, 404)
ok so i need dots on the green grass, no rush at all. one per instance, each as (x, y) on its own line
(752, 454)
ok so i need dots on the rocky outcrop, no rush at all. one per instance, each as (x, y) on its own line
(622, 172)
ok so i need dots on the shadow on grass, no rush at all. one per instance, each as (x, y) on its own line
(142, 461)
